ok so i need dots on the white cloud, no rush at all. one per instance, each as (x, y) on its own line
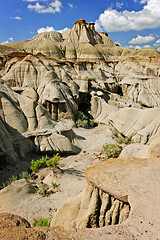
(5, 42)
(47, 29)
(8, 41)
(112, 20)
(142, 40)
(63, 30)
(17, 18)
(158, 41)
(51, 29)
(158, 49)
(119, 5)
(147, 46)
(70, 5)
(137, 47)
(53, 7)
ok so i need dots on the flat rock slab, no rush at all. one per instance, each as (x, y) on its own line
(135, 181)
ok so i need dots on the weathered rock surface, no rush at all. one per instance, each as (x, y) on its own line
(92, 208)
(15, 227)
(25, 127)
(129, 180)
(138, 124)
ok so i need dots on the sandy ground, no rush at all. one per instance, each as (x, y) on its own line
(70, 179)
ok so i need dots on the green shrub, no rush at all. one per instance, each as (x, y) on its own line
(45, 162)
(40, 163)
(43, 222)
(112, 150)
(52, 162)
(92, 123)
(83, 121)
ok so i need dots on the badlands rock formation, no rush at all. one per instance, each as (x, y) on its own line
(45, 82)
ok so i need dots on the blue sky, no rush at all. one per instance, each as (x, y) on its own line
(131, 23)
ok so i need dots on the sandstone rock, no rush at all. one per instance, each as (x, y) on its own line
(131, 180)
(83, 210)
(138, 124)
(135, 150)
(15, 227)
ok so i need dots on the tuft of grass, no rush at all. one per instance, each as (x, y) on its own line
(54, 185)
(41, 190)
(45, 161)
(43, 222)
(112, 150)
(25, 175)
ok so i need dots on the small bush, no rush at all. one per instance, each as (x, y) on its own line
(112, 150)
(37, 164)
(45, 162)
(43, 222)
(83, 121)
(52, 163)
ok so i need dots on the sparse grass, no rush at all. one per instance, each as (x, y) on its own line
(25, 175)
(45, 161)
(10, 180)
(41, 190)
(22, 175)
(121, 139)
(43, 222)
(112, 150)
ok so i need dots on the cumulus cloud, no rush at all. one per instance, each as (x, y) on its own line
(112, 20)
(63, 30)
(137, 47)
(142, 40)
(157, 42)
(51, 29)
(47, 29)
(8, 41)
(53, 7)
(147, 46)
